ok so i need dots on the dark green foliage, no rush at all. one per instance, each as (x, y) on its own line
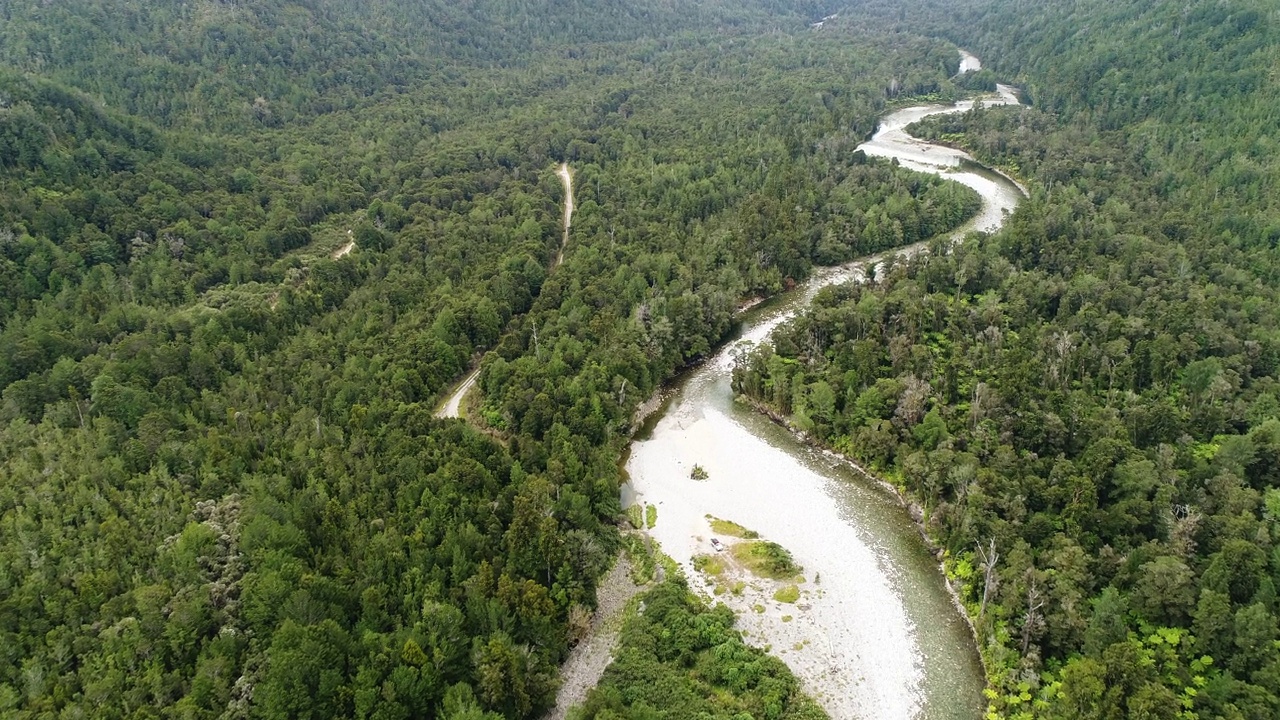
(1092, 388)
(224, 490)
(678, 659)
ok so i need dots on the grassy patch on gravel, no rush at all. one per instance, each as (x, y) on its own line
(788, 594)
(708, 565)
(732, 529)
(766, 559)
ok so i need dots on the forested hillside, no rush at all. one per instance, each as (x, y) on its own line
(214, 64)
(1086, 403)
(224, 493)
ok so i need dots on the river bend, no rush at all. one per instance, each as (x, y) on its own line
(875, 633)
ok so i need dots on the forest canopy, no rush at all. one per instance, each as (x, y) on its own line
(244, 250)
(1085, 403)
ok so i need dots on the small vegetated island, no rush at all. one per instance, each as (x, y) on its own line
(224, 491)
(1084, 404)
(246, 248)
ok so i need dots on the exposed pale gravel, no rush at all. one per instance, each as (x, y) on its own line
(344, 250)
(452, 406)
(850, 642)
(863, 658)
(588, 660)
(566, 178)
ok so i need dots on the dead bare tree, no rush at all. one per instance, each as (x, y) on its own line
(1064, 344)
(1032, 618)
(982, 396)
(989, 558)
(1183, 521)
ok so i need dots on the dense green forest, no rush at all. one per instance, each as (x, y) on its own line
(215, 65)
(678, 659)
(224, 493)
(1087, 403)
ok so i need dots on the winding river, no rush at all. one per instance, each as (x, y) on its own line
(875, 633)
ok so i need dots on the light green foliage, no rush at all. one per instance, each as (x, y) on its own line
(931, 431)
(732, 529)
(765, 559)
(635, 516)
(644, 563)
(787, 594)
(709, 564)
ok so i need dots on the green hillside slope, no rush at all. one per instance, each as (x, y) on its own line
(224, 493)
(1086, 402)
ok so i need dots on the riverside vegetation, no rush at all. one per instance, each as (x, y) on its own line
(1086, 403)
(224, 493)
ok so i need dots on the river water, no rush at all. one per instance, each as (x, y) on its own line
(875, 633)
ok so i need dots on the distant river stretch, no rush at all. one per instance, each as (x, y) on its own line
(875, 634)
